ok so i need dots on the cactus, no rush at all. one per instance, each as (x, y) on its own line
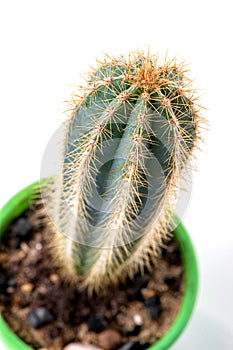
(130, 135)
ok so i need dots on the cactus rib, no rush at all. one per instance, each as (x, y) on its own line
(130, 136)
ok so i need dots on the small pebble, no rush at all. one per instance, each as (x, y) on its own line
(39, 317)
(172, 282)
(152, 301)
(38, 246)
(109, 339)
(153, 305)
(42, 290)
(3, 282)
(154, 311)
(138, 319)
(10, 290)
(147, 293)
(12, 282)
(27, 287)
(80, 346)
(22, 227)
(96, 323)
(53, 277)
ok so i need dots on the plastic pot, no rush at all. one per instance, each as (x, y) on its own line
(21, 201)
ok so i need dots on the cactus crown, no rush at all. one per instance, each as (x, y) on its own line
(129, 137)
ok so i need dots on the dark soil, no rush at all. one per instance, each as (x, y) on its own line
(48, 314)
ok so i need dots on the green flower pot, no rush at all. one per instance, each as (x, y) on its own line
(21, 201)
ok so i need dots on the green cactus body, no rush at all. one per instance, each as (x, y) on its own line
(128, 139)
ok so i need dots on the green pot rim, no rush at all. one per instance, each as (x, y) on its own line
(21, 201)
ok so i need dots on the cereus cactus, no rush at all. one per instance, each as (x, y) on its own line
(130, 135)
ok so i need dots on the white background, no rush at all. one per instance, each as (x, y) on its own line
(44, 47)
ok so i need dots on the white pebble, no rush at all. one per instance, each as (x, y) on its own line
(38, 246)
(138, 319)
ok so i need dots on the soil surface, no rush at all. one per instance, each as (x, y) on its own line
(48, 315)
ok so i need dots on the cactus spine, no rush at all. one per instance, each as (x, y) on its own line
(130, 135)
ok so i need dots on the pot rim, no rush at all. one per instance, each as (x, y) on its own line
(22, 200)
